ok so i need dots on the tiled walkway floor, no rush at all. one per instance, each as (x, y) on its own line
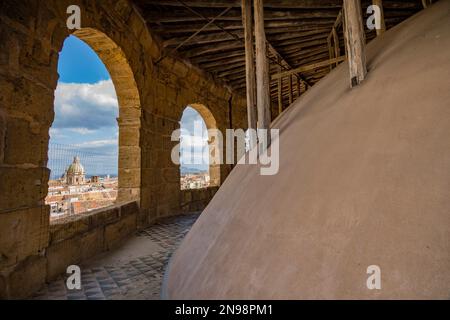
(133, 271)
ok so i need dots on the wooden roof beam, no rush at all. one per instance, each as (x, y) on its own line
(284, 63)
(176, 15)
(275, 4)
(308, 67)
(278, 4)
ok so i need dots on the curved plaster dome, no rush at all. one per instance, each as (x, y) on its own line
(76, 168)
(364, 180)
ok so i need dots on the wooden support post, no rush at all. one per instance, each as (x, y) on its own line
(262, 70)
(247, 22)
(280, 94)
(382, 29)
(355, 41)
(337, 50)
(330, 51)
(299, 88)
(291, 98)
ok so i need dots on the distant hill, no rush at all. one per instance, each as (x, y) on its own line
(191, 170)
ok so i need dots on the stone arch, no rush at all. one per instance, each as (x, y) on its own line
(211, 124)
(129, 159)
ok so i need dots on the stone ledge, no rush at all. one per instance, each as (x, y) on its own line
(78, 238)
(66, 228)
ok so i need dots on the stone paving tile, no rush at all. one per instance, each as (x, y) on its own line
(139, 278)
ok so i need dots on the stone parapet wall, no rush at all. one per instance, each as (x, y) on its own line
(196, 199)
(76, 240)
(70, 241)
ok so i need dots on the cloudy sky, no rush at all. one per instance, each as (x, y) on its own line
(86, 109)
(194, 141)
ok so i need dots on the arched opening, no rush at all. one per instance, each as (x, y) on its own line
(198, 168)
(82, 154)
(111, 115)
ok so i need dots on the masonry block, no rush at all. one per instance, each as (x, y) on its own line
(128, 209)
(23, 233)
(92, 243)
(22, 187)
(104, 216)
(61, 255)
(129, 178)
(171, 175)
(117, 232)
(19, 132)
(63, 230)
(26, 278)
(128, 136)
(129, 157)
(23, 97)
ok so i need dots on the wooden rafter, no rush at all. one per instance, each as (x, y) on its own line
(297, 34)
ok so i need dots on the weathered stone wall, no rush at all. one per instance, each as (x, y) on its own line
(151, 99)
(74, 240)
(196, 200)
(70, 241)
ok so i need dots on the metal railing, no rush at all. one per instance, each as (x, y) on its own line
(94, 163)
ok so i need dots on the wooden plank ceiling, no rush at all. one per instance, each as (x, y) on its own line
(209, 34)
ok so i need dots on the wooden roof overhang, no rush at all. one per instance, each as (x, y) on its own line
(210, 35)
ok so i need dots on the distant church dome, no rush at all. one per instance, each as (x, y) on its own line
(75, 173)
(76, 167)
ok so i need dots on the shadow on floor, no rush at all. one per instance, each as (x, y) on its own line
(133, 271)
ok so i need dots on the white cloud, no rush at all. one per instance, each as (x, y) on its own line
(193, 141)
(97, 143)
(56, 133)
(86, 106)
(82, 131)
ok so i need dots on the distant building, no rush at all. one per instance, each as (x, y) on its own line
(75, 174)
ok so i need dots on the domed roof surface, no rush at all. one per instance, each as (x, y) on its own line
(363, 182)
(76, 167)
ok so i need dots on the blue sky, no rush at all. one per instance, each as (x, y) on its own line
(194, 141)
(86, 109)
(78, 63)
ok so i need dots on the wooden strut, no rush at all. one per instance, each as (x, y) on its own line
(291, 98)
(330, 52)
(308, 67)
(194, 35)
(337, 50)
(280, 94)
(237, 38)
(334, 51)
(277, 59)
